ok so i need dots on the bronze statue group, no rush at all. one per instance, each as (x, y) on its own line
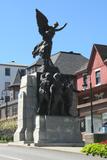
(55, 92)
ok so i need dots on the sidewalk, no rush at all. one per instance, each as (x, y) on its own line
(56, 148)
(64, 149)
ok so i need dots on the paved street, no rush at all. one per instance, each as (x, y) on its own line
(29, 153)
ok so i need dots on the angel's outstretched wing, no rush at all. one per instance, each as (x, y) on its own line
(42, 22)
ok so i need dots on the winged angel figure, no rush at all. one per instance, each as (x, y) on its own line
(47, 32)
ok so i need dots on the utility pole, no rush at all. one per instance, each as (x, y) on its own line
(91, 105)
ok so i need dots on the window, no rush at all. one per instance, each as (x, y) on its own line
(7, 85)
(16, 94)
(98, 77)
(14, 110)
(82, 125)
(84, 81)
(7, 98)
(9, 111)
(23, 72)
(7, 71)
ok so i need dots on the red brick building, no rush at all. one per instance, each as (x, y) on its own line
(93, 73)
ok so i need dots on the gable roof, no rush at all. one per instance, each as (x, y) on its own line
(102, 49)
(67, 62)
(17, 80)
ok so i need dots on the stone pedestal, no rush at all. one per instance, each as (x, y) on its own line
(57, 130)
(26, 109)
(44, 130)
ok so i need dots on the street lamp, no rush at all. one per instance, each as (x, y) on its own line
(91, 98)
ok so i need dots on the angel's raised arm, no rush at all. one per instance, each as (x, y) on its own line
(59, 29)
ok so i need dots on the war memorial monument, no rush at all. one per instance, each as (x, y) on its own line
(47, 113)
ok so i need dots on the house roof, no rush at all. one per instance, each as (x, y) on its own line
(67, 62)
(13, 64)
(102, 49)
(17, 80)
(83, 67)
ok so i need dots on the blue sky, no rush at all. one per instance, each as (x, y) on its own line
(87, 24)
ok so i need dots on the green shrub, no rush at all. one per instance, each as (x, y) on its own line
(95, 149)
(7, 129)
(8, 124)
(6, 138)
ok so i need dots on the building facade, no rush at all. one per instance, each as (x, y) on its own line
(92, 84)
(8, 97)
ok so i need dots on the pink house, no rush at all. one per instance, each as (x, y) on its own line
(93, 74)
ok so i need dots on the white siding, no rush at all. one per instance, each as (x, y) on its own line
(13, 70)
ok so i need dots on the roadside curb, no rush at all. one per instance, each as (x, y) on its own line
(55, 148)
(64, 149)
